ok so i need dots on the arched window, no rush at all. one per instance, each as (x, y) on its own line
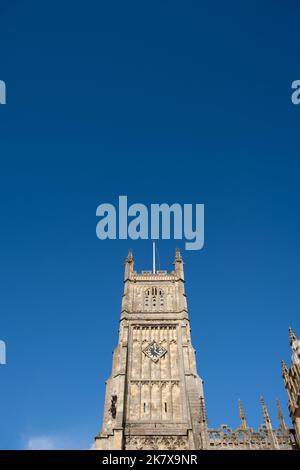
(154, 299)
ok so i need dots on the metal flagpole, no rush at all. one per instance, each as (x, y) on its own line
(153, 256)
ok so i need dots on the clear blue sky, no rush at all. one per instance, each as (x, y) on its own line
(165, 101)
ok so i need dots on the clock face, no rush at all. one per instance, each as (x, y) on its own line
(154, 351)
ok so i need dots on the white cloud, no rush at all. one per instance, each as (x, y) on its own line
(55, 442)
(40, 443)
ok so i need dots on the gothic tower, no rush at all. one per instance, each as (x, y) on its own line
(154, 396)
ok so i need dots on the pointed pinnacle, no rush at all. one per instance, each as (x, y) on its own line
(265, 411)
(293, 336)
(178, 256)
(130, 255)
(280, 416)
(242, 414)
(284, 368)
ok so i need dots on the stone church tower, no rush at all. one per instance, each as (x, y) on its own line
(154, 396)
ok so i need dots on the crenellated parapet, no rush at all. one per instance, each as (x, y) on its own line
(246, 438)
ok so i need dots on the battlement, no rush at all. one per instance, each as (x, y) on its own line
(150, 276)
(159, 275)
(224, 438)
